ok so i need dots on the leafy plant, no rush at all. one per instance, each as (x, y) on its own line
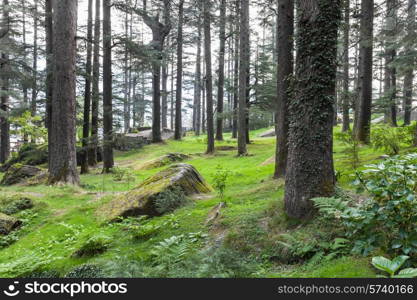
(389, 138)
(169, 200)
(93, 246)
(352, 147)
(392, 266)
(123, 174)
(220, 180)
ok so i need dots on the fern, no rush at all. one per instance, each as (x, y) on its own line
(331, 207)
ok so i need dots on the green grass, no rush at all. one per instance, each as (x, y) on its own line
(64, 218)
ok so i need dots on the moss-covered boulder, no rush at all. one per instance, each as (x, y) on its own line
(163, 161)
(12, 204)
(8, 223)
(19, 174)
(30, 155)
(141, 200)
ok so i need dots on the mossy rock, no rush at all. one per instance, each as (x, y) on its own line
(12, 204)
(19, 174)
(30, 155)
(8, 223)
(163, 161)
(141, 200)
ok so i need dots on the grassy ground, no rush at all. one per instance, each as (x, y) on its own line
(251, 227)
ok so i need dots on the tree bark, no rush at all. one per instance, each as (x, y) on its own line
(95, 98)
(236, 74)
(5, 82)
(35, 60)
(310, 170)
(220, 91)
(285, 69)
(243, 76)
(363, 129)
(108, 160)
(63, 164)
(409, 72)
(197, 84)
(178, 93)
(209, 77)
(346, 65)
(87, 91)
(49, 82)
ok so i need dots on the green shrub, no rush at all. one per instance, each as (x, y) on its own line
(93, 246)
(389, 139)
(16, 205)
(392, 266)
(352, 147)
(220, 180)
(170, 200)
(85, 271)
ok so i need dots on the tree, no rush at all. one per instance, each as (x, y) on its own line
(363, 127)
(220, 91)
(310, 170)
(87, 91)
(63, 164)
(409, 71)
(209, 76)
(35, 59)
(346, 66)
(197, 84)
(236, 72)
(243, 76)
(4, 99)
(108, 161)
(49, 82)
(285, 69)
(95, 97)
(178, 93)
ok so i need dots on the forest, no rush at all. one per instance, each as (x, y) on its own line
(208, 139)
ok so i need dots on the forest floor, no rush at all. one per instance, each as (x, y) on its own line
(251, 231)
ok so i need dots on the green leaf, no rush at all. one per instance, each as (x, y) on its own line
(407, 273)
(398, 262)
(383, 264)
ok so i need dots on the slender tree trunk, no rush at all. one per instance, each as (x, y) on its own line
(346, 95)
(409, 72)
(178, 94)
(35, 60)
(4, 99)
(310, 171)
(172, 115)
(87, 91)
(126, 104)
(63, 161)
(197, 86)
(108, 161)
(243, 76)
(49, 82)
(24, 81)
(236, 74)
(164, 113)
(220, 91)
(92, 153)
(285, 69)
(209, 77)
(363, 129)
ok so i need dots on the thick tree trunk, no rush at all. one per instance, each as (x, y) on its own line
(87, 91)
(178, 93)
(310, 170)
(4, 99)
(363, 129)
(209, 77)
(220, 91)
(108, 160)
(243, 76)
(49, 82)
(92, 153)
(346, 95)
(285, 71)
(63, 164)
(409, 72)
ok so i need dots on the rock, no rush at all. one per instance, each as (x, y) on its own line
(141, 200)
(129, 141)
(14, 204)
(268, 133)
(163, 161)
(19, 174)
(146, 134)
(8, 223)
(214, 213)
(30, 155)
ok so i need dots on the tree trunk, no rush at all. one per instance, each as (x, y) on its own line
(409, 72)
(164, 113)
(363, 129)
(346, 95)
(178, 93)
(4, 99)
(209, 78)
(49, 82)
(35, 60)
(197, 86)
(108, 161)
(310, 170)
(236, 74)
(220, 91)
(63, 164)
(126, 102)
(243, 76)
(87, 91)
(92, 153)
(285, 69)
